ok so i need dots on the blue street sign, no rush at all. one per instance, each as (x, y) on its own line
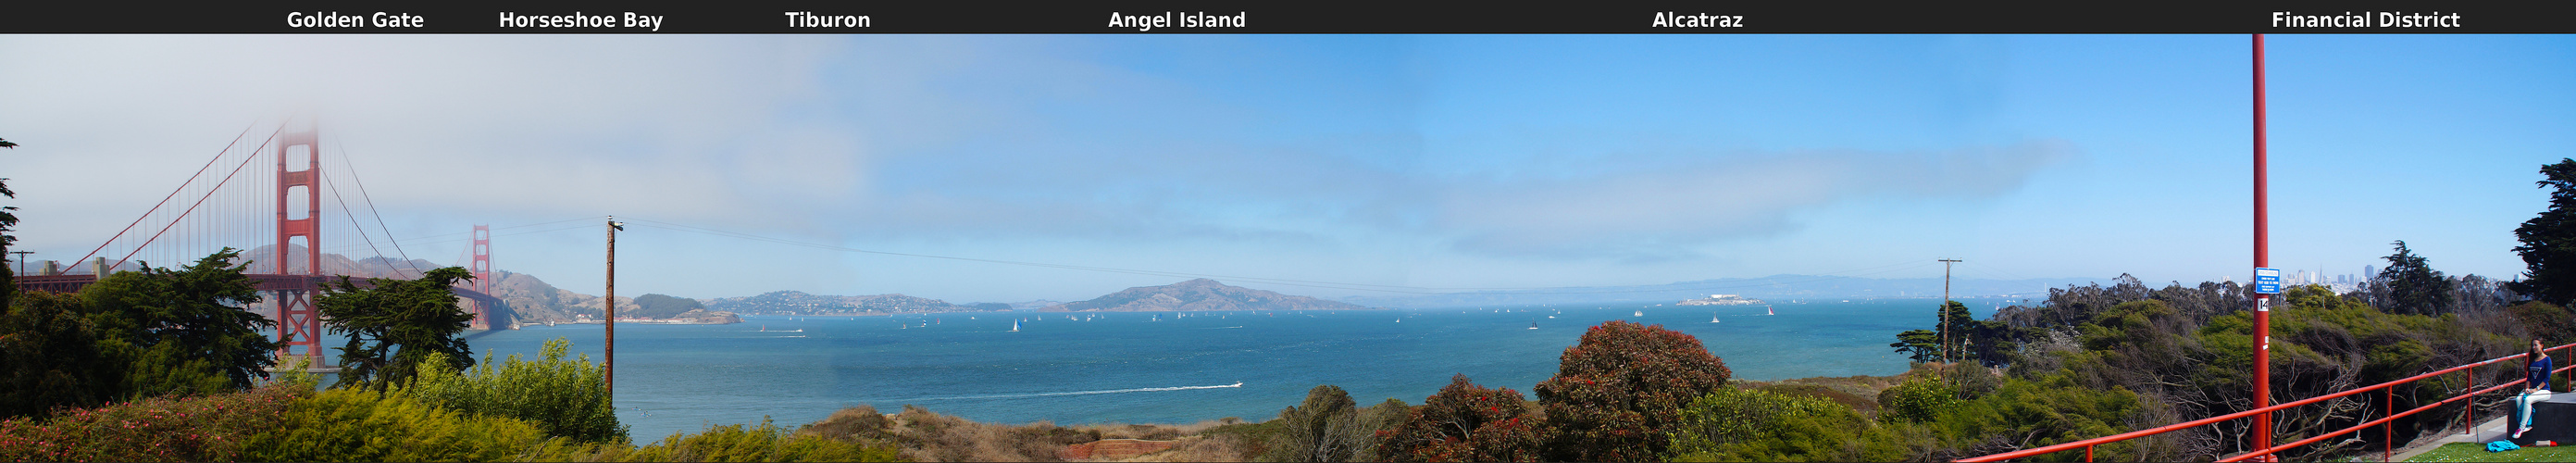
(2267, 280)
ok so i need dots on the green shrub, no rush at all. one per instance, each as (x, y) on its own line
(930, 436)
(1617, 390)
(1466, 422)
(202, 428)
(2047, 411)
(56, 356)
(355, 424)
(765, 442)
(1732, 424)
(189, 327)
(1920, 398)
(857, 424)
(566, 398)
(2547, 322)
(1326, 427)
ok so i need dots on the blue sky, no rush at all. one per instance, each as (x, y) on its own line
(1422, 163)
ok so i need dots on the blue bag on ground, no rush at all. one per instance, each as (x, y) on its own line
(2500, 446)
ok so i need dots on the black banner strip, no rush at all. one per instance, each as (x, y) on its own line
(1211, 17)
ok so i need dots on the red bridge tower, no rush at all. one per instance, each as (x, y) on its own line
(482, 267)
(298, 324)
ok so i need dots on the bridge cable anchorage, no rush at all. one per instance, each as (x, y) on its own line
(183, 186)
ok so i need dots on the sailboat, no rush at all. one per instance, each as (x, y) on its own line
(1712, 318)
(1533, 325)
(1641, 313)
(1015, 326)
(1766, 310)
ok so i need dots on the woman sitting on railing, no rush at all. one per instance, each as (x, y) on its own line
(2535, 386)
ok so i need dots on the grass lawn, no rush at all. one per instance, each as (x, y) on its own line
(2464, 451)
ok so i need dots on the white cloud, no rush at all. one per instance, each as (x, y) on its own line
(471, 127)
(1641, 213)
(877, 139)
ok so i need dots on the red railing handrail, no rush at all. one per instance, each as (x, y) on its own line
(2320, 437)
(2089, 443)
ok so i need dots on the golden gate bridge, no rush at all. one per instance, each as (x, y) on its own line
(268, 199)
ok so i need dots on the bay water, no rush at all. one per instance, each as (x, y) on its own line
(1168, 367)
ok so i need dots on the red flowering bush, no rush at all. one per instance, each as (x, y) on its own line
(202, 428)
(1465, 422)
(1619, 390)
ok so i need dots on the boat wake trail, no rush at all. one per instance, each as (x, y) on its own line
(1103, 391)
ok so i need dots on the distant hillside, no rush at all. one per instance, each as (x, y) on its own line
(264, 260)
(534, 301)
(528, 299)
(801, 303)
(1199, 294)
(1033, 305)
(661, 306)
(1775, 288)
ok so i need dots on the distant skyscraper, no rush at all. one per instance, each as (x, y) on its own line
(2369, 272)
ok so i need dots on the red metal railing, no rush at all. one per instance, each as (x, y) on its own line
(2387, 449)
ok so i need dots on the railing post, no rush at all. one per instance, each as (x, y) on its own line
(2387, 436)
(2088, 454)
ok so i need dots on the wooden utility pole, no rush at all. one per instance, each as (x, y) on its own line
(610, 369)
(22, 261)
(1945, 309)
